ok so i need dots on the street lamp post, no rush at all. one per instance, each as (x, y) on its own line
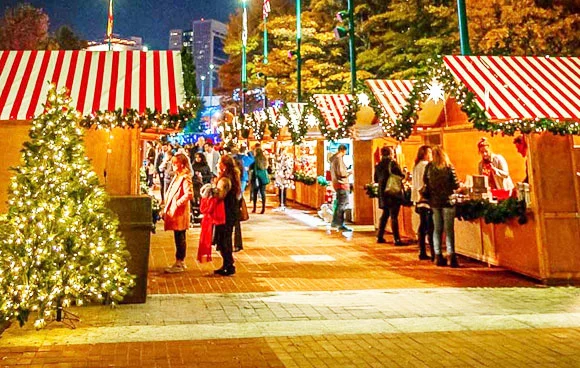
(463, 33)
(211, 68)
(244, 44)
(202, 86)
(352, 50)
(298, 54)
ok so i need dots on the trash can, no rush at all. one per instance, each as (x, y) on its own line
(135, 219)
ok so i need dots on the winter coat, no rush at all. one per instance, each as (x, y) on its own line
(381, 176)
(177, 197)
(440, 184)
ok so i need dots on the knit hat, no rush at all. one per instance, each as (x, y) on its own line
(483, 143)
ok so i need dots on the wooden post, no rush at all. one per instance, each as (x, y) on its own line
(363, 171)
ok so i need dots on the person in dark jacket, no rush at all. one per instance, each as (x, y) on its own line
(440, 183)
(201, 174)
(390, 205)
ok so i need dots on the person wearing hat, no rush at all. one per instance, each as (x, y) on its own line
(494, 166)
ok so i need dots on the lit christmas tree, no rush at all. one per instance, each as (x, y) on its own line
(60, 243)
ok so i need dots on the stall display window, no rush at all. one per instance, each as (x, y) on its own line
(305, 161)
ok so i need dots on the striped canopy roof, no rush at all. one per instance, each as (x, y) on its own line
(97, 80)
(391, 94)
(332, 107)
(510, 87)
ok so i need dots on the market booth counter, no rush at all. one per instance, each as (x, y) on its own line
(115, 80)
(546, 246)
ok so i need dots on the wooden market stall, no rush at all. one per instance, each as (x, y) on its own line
(509, 90)
(98, 82)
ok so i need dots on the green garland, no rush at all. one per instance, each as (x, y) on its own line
(402, 128)
(494, 213)
(257, 126)
(273, 124)
(297, 133)
(302, 177)
(131, 118)
(372, 190)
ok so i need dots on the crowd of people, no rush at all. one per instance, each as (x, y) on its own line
(181, 179)
(434, 181)
(228, 172)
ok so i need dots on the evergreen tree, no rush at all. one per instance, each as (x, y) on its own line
(61, 244)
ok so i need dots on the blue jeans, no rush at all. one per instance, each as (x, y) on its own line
(443, 221)
(341, 204)
(243, 183)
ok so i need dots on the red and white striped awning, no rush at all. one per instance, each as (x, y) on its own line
(97, 80)
(391, 94)
(332, 107)
(510, 87)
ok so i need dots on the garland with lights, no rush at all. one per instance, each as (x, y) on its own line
(297, 127)
(439, 81)
(61, 245)
(441, 76)
(273, 124)
(344, 128)
(132, 118)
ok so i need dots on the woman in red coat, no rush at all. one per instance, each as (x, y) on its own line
(177, 210)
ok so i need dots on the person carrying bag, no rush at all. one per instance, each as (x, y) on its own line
(389, 176)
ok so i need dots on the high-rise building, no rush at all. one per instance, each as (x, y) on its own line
(208, 53)
(175, 39)
(179, 38)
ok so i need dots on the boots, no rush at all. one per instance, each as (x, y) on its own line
(440, 261)
(263, 207)
(422, 252)
(453, 260)
(254, 209)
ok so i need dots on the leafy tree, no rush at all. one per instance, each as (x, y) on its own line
(68, 40)
(24, 28)
(505, 27)
(60, 243)
(398, 41)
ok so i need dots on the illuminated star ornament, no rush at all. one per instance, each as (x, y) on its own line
(364, 99)
(435, 91)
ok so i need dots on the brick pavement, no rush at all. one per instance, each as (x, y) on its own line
(356, 304)
(272, 240)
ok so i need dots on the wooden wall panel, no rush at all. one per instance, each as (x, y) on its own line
(363, 171)
(461, 146)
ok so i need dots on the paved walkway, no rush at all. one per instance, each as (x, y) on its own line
(304, 298)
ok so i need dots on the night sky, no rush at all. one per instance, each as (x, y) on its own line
(150, 19)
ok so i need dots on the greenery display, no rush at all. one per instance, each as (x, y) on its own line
(273, 124)
(372, 190)
(494, 213)
(302, 177)
(60, 245)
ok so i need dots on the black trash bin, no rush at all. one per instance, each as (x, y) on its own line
(135, 221)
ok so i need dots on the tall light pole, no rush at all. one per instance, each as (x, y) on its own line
(352, 50)
(298, 54)
(463, 32)
(202, 86)
(110, 23)
(244, 44)
(211, 68)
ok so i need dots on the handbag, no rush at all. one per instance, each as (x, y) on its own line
(244, 215)
(394, 187)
